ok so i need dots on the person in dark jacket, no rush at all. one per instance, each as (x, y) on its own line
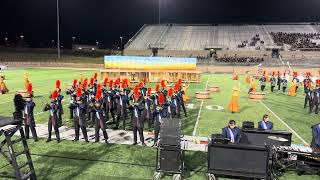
(72, 93)
(122, 102)
(315, 143)
(265, 124)
(147, 113)
(279, 81)
(53, 120)
(137, 121)
(100, 123)
(79, 115)
(29, 123)
(158, 117)
(272, 82)
(232, 132)
(316, 98)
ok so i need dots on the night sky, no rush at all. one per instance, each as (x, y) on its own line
(106, 20)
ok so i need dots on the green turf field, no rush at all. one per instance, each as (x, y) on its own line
(47, 57)
(69, 160)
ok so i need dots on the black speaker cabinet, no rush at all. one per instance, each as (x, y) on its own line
(238, 160)
(170, 160)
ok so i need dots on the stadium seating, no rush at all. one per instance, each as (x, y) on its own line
(198, 37)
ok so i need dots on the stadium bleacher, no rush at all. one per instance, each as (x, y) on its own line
(198, 37)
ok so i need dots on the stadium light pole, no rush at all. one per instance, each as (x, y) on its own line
(159, 11)
(6, 40)
(52, 43)
(121, 41)
(121, 48)
(58, 30)
(73, 38)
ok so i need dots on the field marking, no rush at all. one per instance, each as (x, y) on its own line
(218, 108)
(199, 113)
(284, 123)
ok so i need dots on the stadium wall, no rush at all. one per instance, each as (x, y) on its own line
(254, 70)
(260, 53)
(137, 52)
(292, 55)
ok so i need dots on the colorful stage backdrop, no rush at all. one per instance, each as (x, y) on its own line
(146, 63)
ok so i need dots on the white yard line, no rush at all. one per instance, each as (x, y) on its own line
(199, 113)
(284, 123)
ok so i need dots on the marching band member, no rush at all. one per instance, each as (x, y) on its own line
(136, 109)
(279, 80)
(315, 143)
(95, 81)
(164, 88)
(272, 82)
(91, 100)
(121, 105)
(71, 92)
(284, 83)
(100, 123)
(158, 117)
(263, 81)
(265, 124)
(232, 132)
(155, 102)
(79, 114)
(3, 86)
(29, 123)
(59, 103)
(108, 102)
(292, 89)
(176, 101)
(308, 98)
(53, 120)
(146, 113)
(183, 96)
(296, 80)
(316, 97)
(171, 105)
(234, 105)
(143, 87)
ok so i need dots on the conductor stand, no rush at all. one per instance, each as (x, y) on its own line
(170, 155)
(8, 128)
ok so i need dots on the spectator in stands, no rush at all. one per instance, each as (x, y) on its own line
(295, 40)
